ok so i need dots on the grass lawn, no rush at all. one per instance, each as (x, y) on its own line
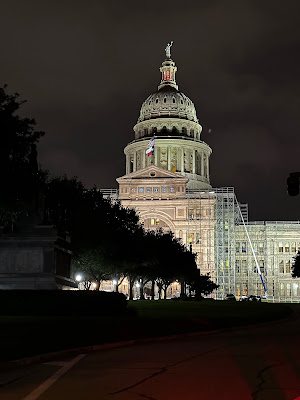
(25, 336)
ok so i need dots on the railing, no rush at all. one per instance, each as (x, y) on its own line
(109, 192)
(273, 223)
(147, 138)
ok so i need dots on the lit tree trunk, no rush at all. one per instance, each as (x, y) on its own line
(131, 282)
(182, 289)
(142, 290)
(152, 289)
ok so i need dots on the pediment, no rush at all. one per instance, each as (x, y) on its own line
(152, 172)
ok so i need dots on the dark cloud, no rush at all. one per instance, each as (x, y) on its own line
(86, 67)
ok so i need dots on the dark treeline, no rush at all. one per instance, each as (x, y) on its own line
(107, 240)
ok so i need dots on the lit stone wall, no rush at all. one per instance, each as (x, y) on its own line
(188, 157)
(159, 197)
(275, 244)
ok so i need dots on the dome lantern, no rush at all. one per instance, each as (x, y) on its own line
(168, 70)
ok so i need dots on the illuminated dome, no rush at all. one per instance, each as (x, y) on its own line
(168, 102)
(169, 118)
(168, 112)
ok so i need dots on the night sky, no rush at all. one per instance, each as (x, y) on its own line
(85, 67)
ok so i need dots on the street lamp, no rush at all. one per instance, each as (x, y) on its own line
(78, 279)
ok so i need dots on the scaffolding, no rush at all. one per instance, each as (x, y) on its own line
(275, 244)
(220, 221)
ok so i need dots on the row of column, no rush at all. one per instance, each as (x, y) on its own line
(133, 167)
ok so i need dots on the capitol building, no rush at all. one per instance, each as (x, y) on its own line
(169, 186)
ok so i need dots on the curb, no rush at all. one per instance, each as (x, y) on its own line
(45, 357)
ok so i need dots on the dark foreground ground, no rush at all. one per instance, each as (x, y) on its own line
(26, 336)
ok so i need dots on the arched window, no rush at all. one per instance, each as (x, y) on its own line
(156, 101)
(281, 267)
(164, 131)
(174, 101)
(154, 131)
(174, 131)
(183, 131)
(165, 99)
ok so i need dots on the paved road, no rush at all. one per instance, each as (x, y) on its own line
(259, 363)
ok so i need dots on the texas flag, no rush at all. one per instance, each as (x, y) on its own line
(150, 149)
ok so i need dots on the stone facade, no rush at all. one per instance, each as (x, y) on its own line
(35, 258)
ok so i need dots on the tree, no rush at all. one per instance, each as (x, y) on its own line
(296, 266)
(94, 266)
(19, 174)
(202, 285)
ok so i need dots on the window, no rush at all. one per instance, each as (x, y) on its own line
(282, 290)
(293, 247)
(280, 247)
(172, 189)
(191, 213)
(191, 237)
(287, 248)
(152, 221)
(244, 247)
(288, 267)
(238, 266)
(133, 189)
(260, 248)
(165, 99)
(237, 247)
(156, 189)
(174, 101)
(281, 267)
(244, 265)
(156, 101)
(261, 266)
(149, 190)
(141, 190)
(288, 289)
(164, 189)
(295, 289)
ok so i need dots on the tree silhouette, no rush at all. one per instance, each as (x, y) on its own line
(19, 174)
(296, 266)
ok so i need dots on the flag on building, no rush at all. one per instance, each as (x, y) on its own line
(150, 149)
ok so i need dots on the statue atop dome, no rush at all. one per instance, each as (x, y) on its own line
(168, 50)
